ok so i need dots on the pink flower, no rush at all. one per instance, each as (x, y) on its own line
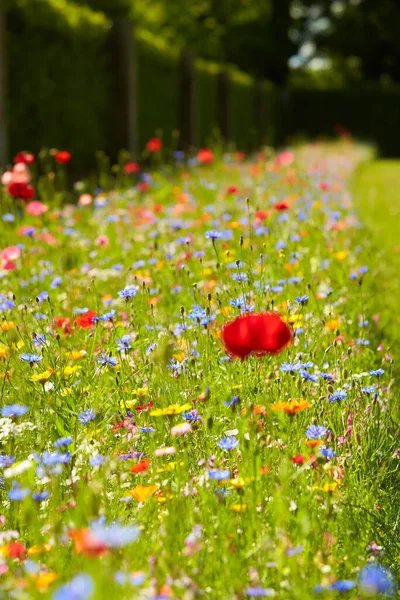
(47, 238)
(167, 451)
(102, 241)
(10, 253)
(20, 173)
(36, 208)
(85, 200)
(285, 158)
(181, 429)
(7, 178)
(7, 265)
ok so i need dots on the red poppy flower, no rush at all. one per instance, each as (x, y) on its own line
(63, 323)
(231, 190)
(16, 550)
(25, 157)
(62, 156)
(281, 206)
(144, 407)
(154, 145)
(263, 333)
(21, 190)
(143, 186)
(261, 215)
(205, 156)
(141, 466)
(131, 167)
(86, 543)
(86, 320)
(298, 459)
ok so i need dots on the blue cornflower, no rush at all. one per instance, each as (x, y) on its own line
(124, 343)
(233, 402)
(342, 585)
(40, 316)
(338, 395)
(259, 592)
(147, 429)
(8, 218)
(362, 342)
(106, 360)
(17, 493)
(289, 367)
(376, 579)
(40, 496)
(369, 389)
(54, 458)
(115, 535)
(6, 304)
(79, 588)
(39, 340)
(228, 443)
(106, 317)
(219, 474)
(377, 372)
(128, 292)
(363, 270)
(31, 358)
(6, 461)
(275, 289)
(327, 376)
(294, 551)
(192, 416)
(213, 235)
(328, 452)
(241, 276)
(316, 432)
(86, 416)
(306, 375)
(64, 441)
(14, 410)
(96, 461)
(302, 299)
(57, 281)
(42, 297)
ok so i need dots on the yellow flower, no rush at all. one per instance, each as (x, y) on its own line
(7, 325)
(39, 549)
(328, 487)
(44, 580)
(179, 356)
(4, 351)
(173, 409)
(71, 370)
(226, 310)
(171, 467)
(66, 392)
(142, 493)
(239, 507)
(341, 255)
(44, 376)
(127, 404)
(75, 354)
(292, 407)
(141, 392)
(295, 320)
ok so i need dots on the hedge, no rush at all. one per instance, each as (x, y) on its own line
(58, 78)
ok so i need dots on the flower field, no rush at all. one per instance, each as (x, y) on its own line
(196, 399)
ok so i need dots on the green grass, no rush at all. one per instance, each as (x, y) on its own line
(273, 522)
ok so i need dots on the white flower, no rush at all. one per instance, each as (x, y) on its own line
(18, 468)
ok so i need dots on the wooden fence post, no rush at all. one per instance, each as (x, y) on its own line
(187, 100)
(224, 106)
(124, 89)
(3, 115)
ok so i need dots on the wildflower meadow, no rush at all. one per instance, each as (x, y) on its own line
(197, 400)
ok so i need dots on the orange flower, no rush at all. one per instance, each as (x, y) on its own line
(260, 409)
(142, 493)
(292, 407)
(313, 443)
(86, 543)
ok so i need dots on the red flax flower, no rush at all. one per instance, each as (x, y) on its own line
(62, 156)
(21, 190)
(154, 145)
(263, 333)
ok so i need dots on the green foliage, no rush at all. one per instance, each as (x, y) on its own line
(58, 78)
(242, 110)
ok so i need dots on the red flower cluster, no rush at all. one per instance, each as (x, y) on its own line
(24, 157)
(154, 145)
(86, 320)
(263, 333)
(23, 191)
(62, 156)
